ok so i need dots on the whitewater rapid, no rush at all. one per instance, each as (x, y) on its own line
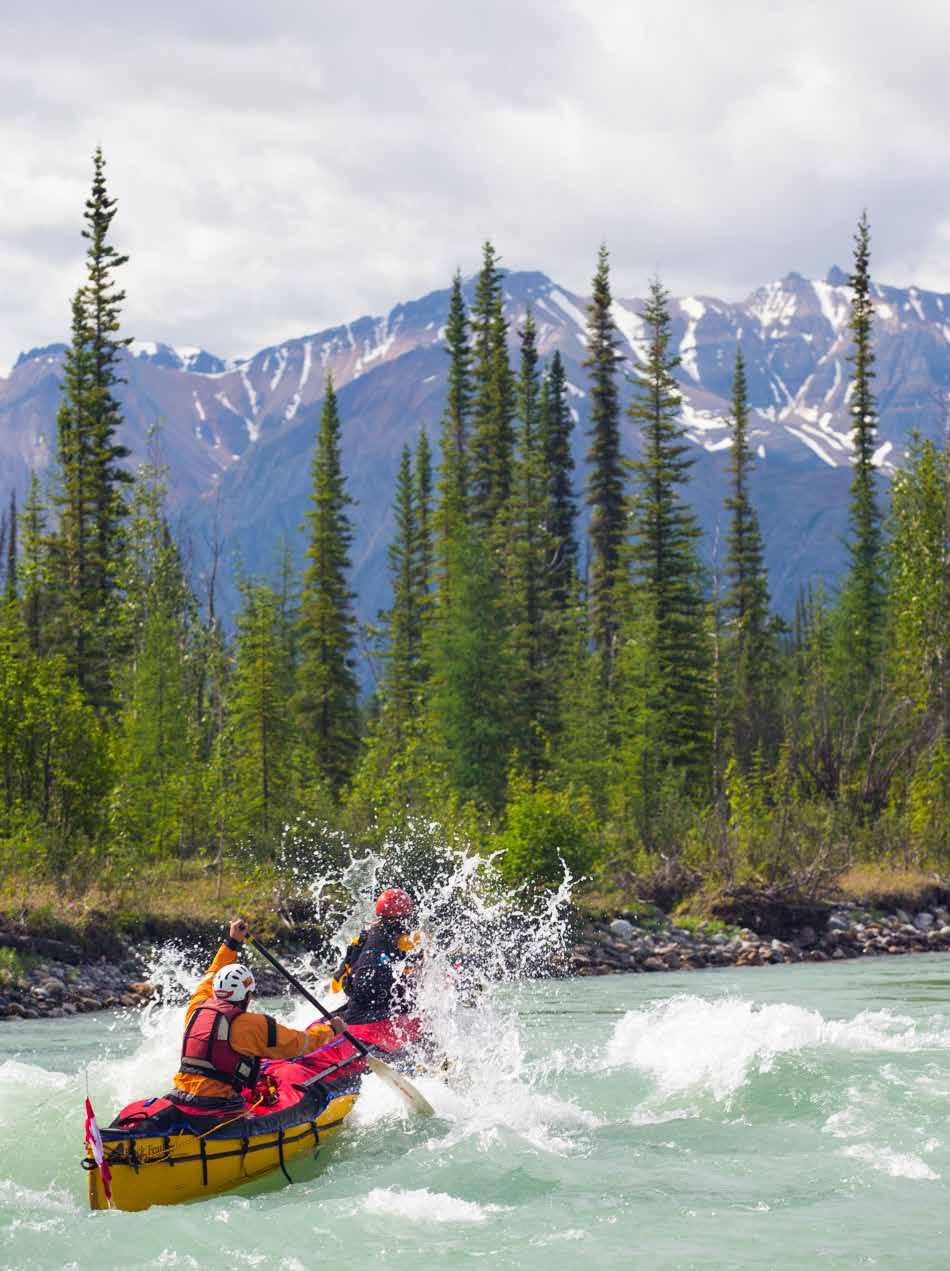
(780, 1117)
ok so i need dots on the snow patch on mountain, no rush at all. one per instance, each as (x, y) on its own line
(835, 304)
(812, 444)
(772, 304)
(570, 309)
(632, 327)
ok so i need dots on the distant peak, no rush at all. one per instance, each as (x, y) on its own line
(49, 351)
(837, 277)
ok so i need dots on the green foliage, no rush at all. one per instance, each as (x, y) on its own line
(545, 830)
(658, 742)
(919, 599)
(467, 695)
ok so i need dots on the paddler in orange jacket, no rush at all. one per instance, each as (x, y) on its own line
(224, 1042)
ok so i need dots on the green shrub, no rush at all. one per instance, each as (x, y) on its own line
(544, 828)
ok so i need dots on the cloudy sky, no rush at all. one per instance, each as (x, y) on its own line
(282, 166)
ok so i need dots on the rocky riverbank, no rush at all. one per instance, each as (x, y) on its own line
(46, 978)
(40, 977)
(632, 943)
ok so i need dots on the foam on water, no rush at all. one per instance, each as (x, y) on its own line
(689, 1043)
(896, 1164)
(421, 1205)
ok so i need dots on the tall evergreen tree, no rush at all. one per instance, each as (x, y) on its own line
(663, 552)
(560, 517)
(527, 560)
(605, 482)
(749, 674)
(326, 700)
(103, 302)
(86, 549)
(863, 595)
(404, 620)
(492, 440)
(453, 479)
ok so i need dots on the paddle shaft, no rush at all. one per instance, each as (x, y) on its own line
(292, 980)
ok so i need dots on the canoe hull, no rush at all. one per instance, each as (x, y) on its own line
(178, 1168)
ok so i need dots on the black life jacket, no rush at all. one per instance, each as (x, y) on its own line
(206, 1049)
(367, 974)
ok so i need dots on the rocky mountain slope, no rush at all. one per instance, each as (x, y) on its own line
(237, 436)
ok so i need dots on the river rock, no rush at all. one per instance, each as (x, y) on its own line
(622, 929)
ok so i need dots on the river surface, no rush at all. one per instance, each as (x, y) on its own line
(778, 1117)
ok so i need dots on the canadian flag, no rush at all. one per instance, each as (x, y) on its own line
(94, 1140)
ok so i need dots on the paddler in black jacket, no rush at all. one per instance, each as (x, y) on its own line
(373, 973)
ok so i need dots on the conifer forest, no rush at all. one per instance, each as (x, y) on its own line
(560, 679)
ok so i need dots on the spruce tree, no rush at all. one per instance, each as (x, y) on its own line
(749, 674)
(492, 439)
(453, 480)
(560, 517)
(527, 559)
(326, 702)
(85, 552)
(404, 619)
(863, 595)
(605, 482)
(103, 301)
(663, 551)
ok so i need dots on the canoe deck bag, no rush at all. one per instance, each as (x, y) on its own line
(207, 1051)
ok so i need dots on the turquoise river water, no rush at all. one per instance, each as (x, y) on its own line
(779, 1117)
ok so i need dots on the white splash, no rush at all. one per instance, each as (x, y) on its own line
(421, 1205)
(740, 1038)
(887, 1161)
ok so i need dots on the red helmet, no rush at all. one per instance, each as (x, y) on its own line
(394, 903)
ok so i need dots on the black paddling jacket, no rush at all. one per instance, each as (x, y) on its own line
(367, 973)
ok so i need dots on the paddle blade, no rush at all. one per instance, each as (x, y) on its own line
(396, 1081)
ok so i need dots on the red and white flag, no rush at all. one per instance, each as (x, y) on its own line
(94, 1140)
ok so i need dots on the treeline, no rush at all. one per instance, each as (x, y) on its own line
(597, 697)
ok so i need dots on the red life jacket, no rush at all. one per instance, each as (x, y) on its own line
(206, 1049)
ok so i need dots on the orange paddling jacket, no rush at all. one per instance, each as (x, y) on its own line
(252, 1034)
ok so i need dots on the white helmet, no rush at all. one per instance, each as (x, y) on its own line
(233, 983)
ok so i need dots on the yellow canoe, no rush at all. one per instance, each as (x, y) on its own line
(169, 1169)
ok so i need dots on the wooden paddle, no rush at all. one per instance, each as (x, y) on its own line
(395, 1080)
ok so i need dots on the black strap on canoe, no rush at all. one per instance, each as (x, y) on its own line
(280, 1155)
(204, 1164)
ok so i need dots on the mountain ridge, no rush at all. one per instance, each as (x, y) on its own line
(237, 434)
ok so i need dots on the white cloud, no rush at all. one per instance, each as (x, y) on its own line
(280, 167)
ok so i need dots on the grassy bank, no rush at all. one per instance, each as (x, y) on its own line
(190, 903)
